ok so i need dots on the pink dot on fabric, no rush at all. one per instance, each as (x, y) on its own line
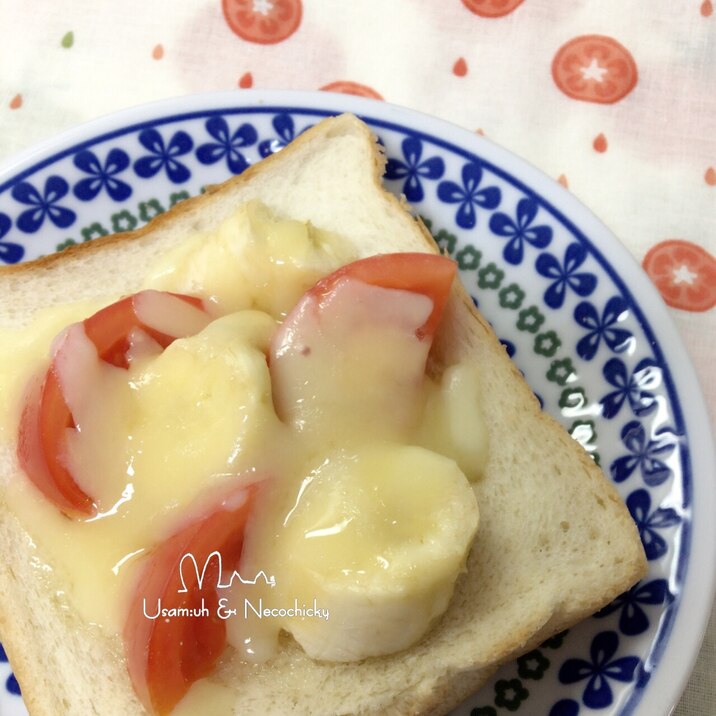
(460, 67)
(600, 143)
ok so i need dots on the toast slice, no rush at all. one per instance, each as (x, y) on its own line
(555, 542)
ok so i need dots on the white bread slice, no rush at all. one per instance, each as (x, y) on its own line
(555, 542)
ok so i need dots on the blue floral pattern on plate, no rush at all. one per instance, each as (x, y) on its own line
(102, 175)
(227, 144)
(633, 617)
(635, 388)
(520, 230)
(602, 327)
(602, 667)
(646, 454)
(10, 253)
(565, 275)
(163, 156)
(413, 167)
(651, 523)
(44, 204)
(468, 194)
(560, 306)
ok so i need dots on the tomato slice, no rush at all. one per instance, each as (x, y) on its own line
(110, 328)
(166, 655)
(46, 415)
(44, 420)
(594, 68)
(684, 273)
(350, 357)
(428, 274)
(264, 23)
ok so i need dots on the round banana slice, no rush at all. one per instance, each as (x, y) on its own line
(376, 539)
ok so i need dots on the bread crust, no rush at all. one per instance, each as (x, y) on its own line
(465, 647)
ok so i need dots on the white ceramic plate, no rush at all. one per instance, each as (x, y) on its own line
(581, 319)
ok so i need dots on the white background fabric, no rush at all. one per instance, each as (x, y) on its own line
(62, 63)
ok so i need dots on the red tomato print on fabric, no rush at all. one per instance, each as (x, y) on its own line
(594, 68)
(684, 273)
(491, 8)
(348, 87)
(263, 21)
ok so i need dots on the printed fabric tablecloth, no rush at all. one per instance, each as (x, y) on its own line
(615, 99)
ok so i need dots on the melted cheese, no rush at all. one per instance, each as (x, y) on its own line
(152, 439)
(252, 260)
(335, 373)
(24, 351)
(365, 547)
(453, 423)
(354, 517)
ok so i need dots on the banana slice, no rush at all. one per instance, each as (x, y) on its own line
(453, 422)
(377, 536)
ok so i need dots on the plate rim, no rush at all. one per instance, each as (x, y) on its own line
(690, 620)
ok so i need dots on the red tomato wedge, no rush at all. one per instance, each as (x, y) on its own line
(350, 357)
(42, 429)
(427, 274)
(46, 415)
(166, 655)
(110, 328)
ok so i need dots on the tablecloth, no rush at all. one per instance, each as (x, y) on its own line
(615, 99)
